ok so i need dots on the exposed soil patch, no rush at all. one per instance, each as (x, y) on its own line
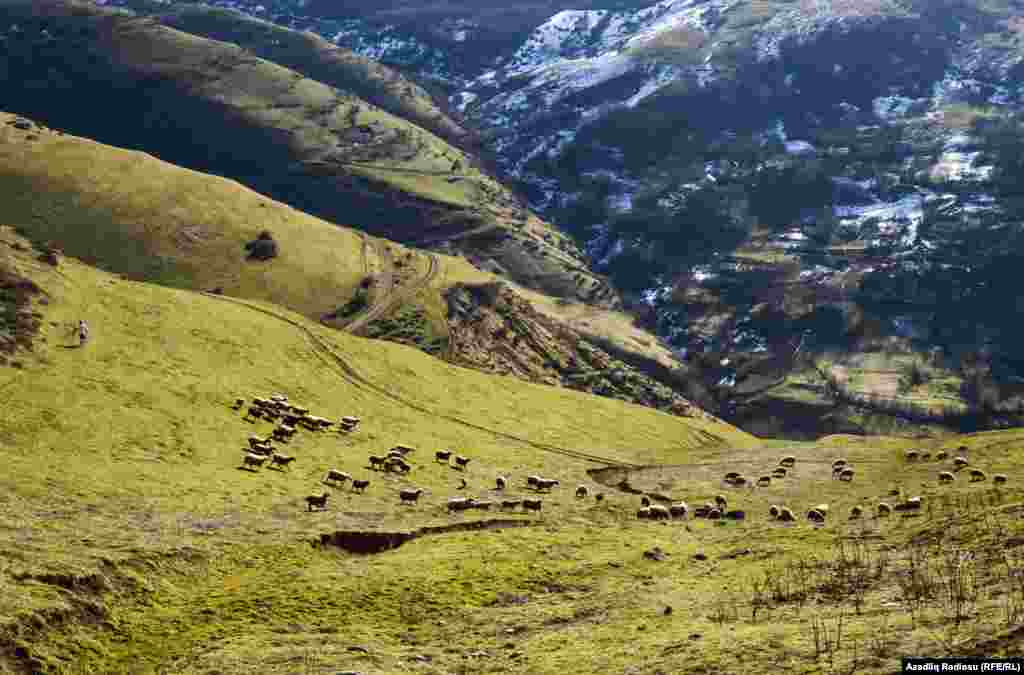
(357, 541)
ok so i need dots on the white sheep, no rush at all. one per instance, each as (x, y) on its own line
(721, 502)
(786, 515)
(253, 460)
(779, 472)
(377, 462)
(942, 455)
(360, 485)
(500, 483)
(582, 492)
(410, 495)
(816, 515)
(764, 481)
(774, 511)
(442, 455)
(511, 503)
(731, 476)
(912, 455)
(679, 509)
(977, 476)
(838, 464)
(461, 462)
(547, 483)
(787, 461)
(714, 514)
(947, 477)
(643, 513)
(846, 474)
(960, 463)
(999, 479)
(659, 512)
(333, 475)
(884, 509)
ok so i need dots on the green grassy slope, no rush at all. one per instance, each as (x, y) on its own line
(317, 59)
(135, 215)
(125, 450)
(215, 107)
(132, 543)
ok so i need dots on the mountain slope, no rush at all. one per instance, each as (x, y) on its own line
(151, 221)
(132, 541)
(214, 107)
(747, 172)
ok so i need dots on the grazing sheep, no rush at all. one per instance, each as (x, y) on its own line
(319, 501)
(787, 461)
(816, 516)
(786, 515)
(253, 413)
(460, 503)
(442, 455)
(714, 514)
(262, 450)
(483, 505)
(599, 496)
(256, 440)
(941, 455)
(679, 510)
(977, 476)
(822, 508)
(582, 492)
(774, 511)
(846, 475)
(947, 477)
(856, 512)
(659, 512)
(393, 454)
(531, 504)
(645, 501)
(333, 475)
(461, 462)
(911, 504)
(397, 464)
(644, 513)
(511, 503)
(500, 483)
(839, 464)
(404, 449)
(779, 472)
(739, 482)
(959, 463)
(410, 495)
(531, 481)
(360, 485)
(350, 420)
(377, 462)
(731, 476)
(721, 502)
(253, 460)
(925, 456)
(999, 479)
(912, 455)
(547, 483)
(281, 460)
(884, 510)
(764, 481)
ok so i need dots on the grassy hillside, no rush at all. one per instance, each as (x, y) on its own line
(152, 221)
(317, 59)
(133, 543)
(216, 107)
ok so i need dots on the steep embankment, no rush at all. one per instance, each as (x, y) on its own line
(152, 221)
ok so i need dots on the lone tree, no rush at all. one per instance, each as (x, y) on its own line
(262, 248)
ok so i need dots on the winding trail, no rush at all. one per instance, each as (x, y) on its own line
(393, 293)
(348, 373)
(383, 292)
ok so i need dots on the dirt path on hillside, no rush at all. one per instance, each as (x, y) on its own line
(383, 289)
(351, 375)
(391, 293)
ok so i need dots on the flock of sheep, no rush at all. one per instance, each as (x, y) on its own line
(276, 408)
